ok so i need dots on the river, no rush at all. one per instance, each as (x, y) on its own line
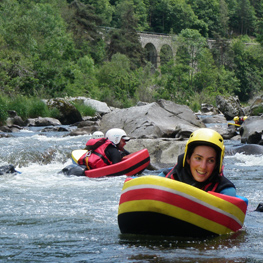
(46, 216)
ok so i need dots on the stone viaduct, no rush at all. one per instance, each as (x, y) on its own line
(159, 47)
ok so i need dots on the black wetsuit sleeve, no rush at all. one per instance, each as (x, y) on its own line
(113, 154)
(124, 153)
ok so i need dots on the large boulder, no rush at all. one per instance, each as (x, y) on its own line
(100, 107)
(164, 119)
(68, 113)
(251, 130)
(163, 151)
(16, 120)
(230, 106)
(256, 108)
(40, 121)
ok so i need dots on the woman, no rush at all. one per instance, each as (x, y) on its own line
(201, 164)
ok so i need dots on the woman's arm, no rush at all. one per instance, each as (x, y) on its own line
(229, 191)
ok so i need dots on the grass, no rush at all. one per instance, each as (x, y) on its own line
(33, 107)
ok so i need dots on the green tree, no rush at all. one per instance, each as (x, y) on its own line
(260, 31)
(181, 16)
(126, 40)
(139, 13)
(118, 81)
(223, 19)
(192, 43)
(212, 79)
(36, 34)
(222, 52)
(248, 69)
(84, 81)
(209, 12)
(245, 19)
(102, 8)
(84, 25)
(258, 7)
(177, 79)
(171, 16)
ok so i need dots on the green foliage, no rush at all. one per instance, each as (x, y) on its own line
(248, 62)
(83, 80)
(140, 13)
(103, 9)
(36, 107)
(197, 99)
(177, 79)
(84, 110)
(207, 11)
(25, 107)
(126, 40)
(260, 31)
(3, 109)
(55, 48)
(258, 111)
(28, 107)
(246, 18)
(119, 81)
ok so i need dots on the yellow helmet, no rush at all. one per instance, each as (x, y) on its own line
(236, 118)
(245, 117)
(209, 137)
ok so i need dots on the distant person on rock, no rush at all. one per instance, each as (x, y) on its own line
(105, 151)
(240, 120)
(201, 163)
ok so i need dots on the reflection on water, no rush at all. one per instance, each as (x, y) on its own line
(48, 217)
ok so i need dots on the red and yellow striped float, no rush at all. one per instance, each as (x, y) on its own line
(159, 206)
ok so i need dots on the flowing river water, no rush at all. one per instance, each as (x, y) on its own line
(46, 216)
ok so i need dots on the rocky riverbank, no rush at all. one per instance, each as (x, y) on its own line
(162, 127)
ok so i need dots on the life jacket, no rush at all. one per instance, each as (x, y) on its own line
(95, 157)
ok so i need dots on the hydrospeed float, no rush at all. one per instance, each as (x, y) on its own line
(131, 164)
(155, 205)
(233, 124)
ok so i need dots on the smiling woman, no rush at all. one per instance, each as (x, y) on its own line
(201, 164)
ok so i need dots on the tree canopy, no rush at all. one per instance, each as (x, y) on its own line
(52, 48)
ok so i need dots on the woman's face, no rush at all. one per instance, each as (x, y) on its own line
(202, 162)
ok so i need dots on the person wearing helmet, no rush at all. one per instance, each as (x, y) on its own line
(97, 134)
(240, 120)
(236, 119)
(201, 165)
(105, 151)
(119, 138)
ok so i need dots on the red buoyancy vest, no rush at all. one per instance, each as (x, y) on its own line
(96, 158)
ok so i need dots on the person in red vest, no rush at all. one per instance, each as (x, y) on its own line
(239, 120)
(201, 165)
(105, 151)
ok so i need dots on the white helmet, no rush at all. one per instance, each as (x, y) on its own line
(97, 134)
(115, 135)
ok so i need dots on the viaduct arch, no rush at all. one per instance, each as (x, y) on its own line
(159, 48)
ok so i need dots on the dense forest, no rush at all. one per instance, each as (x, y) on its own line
(58, 48)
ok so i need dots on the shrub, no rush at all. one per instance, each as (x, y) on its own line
(3, 110)
(84, 110)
